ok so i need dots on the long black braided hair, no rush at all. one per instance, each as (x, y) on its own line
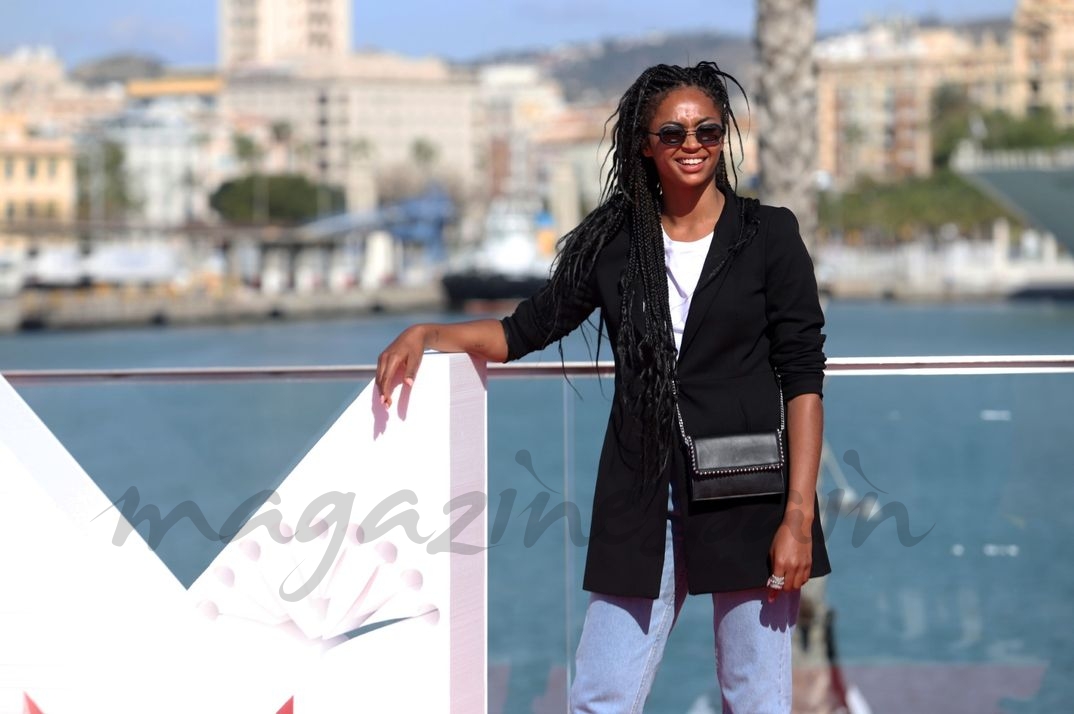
(631, 196)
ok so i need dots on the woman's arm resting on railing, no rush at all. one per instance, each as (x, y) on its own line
(482, 338)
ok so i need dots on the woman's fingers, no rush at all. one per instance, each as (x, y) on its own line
(412, 362)
(404, 353)
(790, 558)
(776, 583)
(787, 576)
(385, 367)
(390, 363)
(797, 577)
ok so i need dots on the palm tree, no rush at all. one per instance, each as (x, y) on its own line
(361, 182)
(193, 176)
(247, 152)
(787, 148)
(787, 107)
(250, 156)
(283, 134)
(360, 149)
(424, 152)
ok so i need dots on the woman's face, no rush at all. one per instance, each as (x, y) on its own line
(692, 164)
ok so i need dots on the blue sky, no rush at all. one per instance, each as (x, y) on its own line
(184, 31)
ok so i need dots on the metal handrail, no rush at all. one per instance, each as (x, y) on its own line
(860, 366)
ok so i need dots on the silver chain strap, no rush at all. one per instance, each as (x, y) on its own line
(782, 409)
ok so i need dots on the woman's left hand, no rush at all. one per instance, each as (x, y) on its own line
(791, 555)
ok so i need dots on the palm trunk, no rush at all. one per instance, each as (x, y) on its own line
(787, 108)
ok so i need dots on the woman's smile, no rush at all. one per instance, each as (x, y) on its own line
(691, 164)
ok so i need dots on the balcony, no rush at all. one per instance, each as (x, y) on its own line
(945, 490)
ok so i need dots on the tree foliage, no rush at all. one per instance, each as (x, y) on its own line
(1037, 130)
(955, 117)
(904, 209)
(290, 198)
(247, 151)
(103, 191)
(424, 153)
(952, 111)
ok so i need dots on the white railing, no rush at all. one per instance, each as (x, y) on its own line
(862, 366)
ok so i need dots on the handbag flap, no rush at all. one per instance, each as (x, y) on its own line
(715, 454)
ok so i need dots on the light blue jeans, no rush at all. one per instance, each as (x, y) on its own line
(623, 642)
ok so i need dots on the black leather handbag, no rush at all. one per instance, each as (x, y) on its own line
(737, 465)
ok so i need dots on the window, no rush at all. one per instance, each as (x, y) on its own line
(50, 209)
(9, 211)
(30, 209)
(31, 169)
(53, 166)
(9, 168)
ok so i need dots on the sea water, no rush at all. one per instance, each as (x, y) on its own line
(961, 584)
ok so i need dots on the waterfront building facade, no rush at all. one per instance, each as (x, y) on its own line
(34, 84)
(517, 102)
(270, 32)
(37, 174)
(164, 160)
(369, 121)
(177, 148)
(876, 85)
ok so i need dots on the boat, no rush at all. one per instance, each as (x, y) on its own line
(512, 262)
(1044, 291)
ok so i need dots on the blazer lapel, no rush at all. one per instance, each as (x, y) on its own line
(727, 232)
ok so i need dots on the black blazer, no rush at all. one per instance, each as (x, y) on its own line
(761, 310)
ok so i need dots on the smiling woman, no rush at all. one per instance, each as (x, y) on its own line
(711, 303)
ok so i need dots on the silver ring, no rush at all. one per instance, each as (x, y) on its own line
(775, 582)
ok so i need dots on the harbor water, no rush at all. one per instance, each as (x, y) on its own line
(958, 600)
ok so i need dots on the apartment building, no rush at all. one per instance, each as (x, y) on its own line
(272, 32)
(37, 174)
(875, 86)
(34, 84)
(516, 103)
(394, 117)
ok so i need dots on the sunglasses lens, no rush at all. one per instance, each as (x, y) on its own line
(709, 134)
(672, 136)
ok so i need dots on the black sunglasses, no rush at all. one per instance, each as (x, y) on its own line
(707, 134)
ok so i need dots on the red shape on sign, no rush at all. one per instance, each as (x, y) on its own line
(28, 705)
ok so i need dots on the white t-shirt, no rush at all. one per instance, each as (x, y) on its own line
(684, 262)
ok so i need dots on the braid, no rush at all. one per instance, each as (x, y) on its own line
(645, 348)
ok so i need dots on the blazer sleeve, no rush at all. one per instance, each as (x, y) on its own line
(535, 323)
(792, 308)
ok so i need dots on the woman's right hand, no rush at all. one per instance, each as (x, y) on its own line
(483, 338)
(404, 353)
